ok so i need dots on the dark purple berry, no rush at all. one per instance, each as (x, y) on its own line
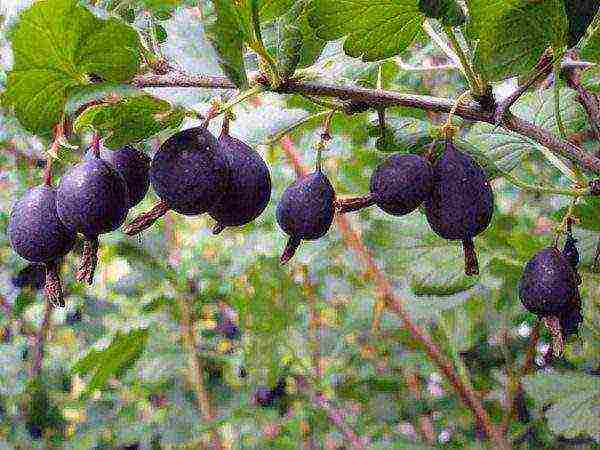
(306, 210)
(37, 234)
(461, 203)
(548, 284)
(399, 185)
(35, 231)
(571, 318)
(263, 397)
(92, 198)
(188, 172)
(402, 183)
(248, 188)
(134, 167)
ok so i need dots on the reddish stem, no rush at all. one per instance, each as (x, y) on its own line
(553, 325)
(351, 204)
(146, 219)
(88, 262)
(96, 144)
(471, 263)
(52, 287)
(395, 305)
(290, 249)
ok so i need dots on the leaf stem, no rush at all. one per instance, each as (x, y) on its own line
(468, 71)
(559, 122)
(259, 47)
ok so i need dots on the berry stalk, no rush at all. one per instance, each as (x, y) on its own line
(146, 219)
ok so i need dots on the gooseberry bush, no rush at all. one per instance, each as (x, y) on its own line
(289, 224)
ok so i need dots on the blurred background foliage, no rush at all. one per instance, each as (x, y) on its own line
(116, 373)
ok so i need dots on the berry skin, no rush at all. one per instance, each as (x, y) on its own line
(399, 185)
(461, 203)
(35, 231)
(548, 284)
(248, 189)
(402, 183)
(306, 210)
(572, 318)
(92, 198)
(188, 172)
(134, 167)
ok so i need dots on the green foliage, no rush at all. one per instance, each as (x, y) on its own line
(374, 30)
(574, 400)
(113, 361)
(71, 44)
(131, 119)
(448, 12)
(511, 35)
(115, 372)
(227, 34)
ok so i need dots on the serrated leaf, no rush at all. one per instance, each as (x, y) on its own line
(575, 399)
(511, 35)
(132, 119)
(57, 45)
(121, 354)
(227, 34)
(374, 30)
(403, 135)
(448, 12)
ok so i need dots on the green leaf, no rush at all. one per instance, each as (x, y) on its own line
(447, 11)
(297, 45)
(271, 9)
(511, 35)
(575, 399)
(38, 97)
(57, 45)
(227, 34)
(132, 119)
(590, 45)
(161, 8)
(374, 30)
(586, 212)
(113, 361)
(506, 149)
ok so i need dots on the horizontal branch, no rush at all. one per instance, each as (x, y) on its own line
(377, 98)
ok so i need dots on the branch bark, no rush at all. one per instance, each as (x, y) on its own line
(394, 304)
(378, 98)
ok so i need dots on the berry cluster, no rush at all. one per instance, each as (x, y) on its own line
(194, 173)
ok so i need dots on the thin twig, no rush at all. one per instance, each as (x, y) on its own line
(588, 100)
(196, 367)
(395, 305)
(542, 69)
(375, 98)
(195, 363)
(40, 341)
(528, 364)
(338, 418)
